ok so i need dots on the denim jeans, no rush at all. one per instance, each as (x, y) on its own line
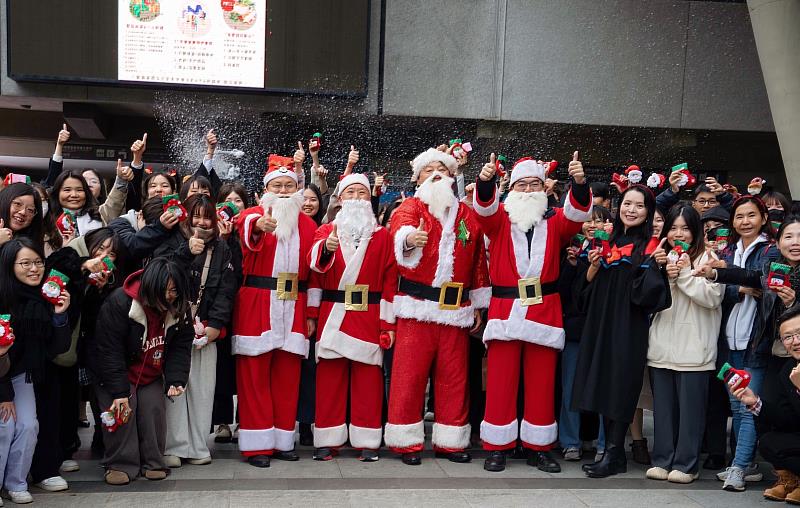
(569, 422)
(743, 423)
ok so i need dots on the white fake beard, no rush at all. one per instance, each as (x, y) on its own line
(437, 195)
(354, 222)
(285, 210)
(525, 209)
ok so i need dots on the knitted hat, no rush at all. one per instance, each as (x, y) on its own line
(526, 167)
(432, 155)
(352, 179)
(279, 166)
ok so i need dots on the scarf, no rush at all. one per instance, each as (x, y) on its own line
(32, 318)
(207, 235)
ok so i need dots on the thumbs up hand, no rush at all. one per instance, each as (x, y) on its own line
(196, 244)
(137, 149)
(352, 158)
(124, 172)
(332, 242)
(575, 170)
(5, 233)
(266, 223)
(488, 170)
(418, 238)
(660, 255)
(63, 136)
(299, 154)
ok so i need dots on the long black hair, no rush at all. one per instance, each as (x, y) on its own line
(153, 289)
(317, 217)
(90, 206)
(641, 234)
(240, 191)
(103, 190)
(203, 206)
(766, 228)
(95, 239)
(201, 182)
(150, 176)
(692, 220)
(9, 285)
(35, 231)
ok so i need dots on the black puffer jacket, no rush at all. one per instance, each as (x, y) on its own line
(120, 332)
(221, 286)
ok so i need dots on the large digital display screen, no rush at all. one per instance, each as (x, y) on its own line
(307, 46)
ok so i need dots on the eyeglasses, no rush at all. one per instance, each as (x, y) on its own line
(27, 264)
(791, 338)
(704, 202)
(523, 186)
(16, 206)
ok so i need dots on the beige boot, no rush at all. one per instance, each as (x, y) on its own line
(787, 483)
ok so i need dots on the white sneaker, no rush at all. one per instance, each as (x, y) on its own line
(657, 473)
(70, 466)
(676, 476)
(172, 461)
(53, 484)
(199, 462)
(20, 497)
(751, 473)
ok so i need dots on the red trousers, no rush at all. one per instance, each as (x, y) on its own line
(538, 429)
(420, 346)
(268, 387)
(365, 384)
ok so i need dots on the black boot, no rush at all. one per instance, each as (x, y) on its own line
(291, 455)
(640, 454)
(543, 461)
(259, 460)
(495, 462)
(412, 459)
(614, 462)
(457, 457)
(324, 454)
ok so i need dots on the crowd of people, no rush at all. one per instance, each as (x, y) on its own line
(520, 314)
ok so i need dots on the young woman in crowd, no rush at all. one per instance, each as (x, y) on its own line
(574, 320)
(619, 290)
(143, 350)
(746, 342)
(71, 192)
(195, 185)
(21, 214)
(196, 245)
(158, 183)
(682, 352)
(41, 331)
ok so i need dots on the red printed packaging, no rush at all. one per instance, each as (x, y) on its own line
(55, 284)
(732, 376)
(6, 332)
(778, 275)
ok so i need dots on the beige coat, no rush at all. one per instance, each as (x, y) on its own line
(684, 337)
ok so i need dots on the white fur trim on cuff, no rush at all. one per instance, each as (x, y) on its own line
(248, 229)
(409, 307)
(314, 297)
(364, 438)
(330, 437)
(499, 435)
(539, 435)
(254, 345)
(296, 343)
(488, 210)
(403, 436)
(316, 255)
(256, 440)
(337, 344)
(526, 331)
(406, 259)
(574, 212)
(387, 312)
(284, 440)
(450, 436)
(480, 297)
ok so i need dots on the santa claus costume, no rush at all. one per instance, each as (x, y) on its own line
(441, 286)
(352, 288)
(270, 320)
(524, 324)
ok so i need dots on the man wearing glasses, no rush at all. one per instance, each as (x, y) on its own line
(778, 415)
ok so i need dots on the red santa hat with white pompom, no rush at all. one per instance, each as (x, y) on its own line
(527, 167)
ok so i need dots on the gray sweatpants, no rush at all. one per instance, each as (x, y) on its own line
(139, 444)
(679, 418)
(18, 438)
(189, 418)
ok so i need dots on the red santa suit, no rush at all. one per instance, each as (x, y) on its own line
(432, 324)
(530, 329)
(270, 332)
(354, 289)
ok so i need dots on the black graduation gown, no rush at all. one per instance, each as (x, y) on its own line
(613, 351)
